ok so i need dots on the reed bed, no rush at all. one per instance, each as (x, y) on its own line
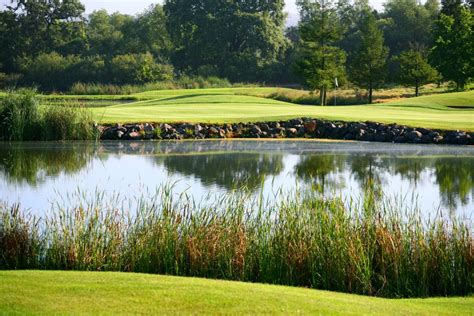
(375, 247)
(22, 118)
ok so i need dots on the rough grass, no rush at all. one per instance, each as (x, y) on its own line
(239, 105)
(34, 292)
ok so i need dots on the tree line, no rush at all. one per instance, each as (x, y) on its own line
(53, 44)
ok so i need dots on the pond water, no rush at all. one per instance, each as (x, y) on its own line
(38, 174)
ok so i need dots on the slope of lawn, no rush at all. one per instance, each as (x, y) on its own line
(238, 105)
(34, 292)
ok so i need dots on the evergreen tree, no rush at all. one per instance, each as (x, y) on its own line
(368, 64)
(414, 69)
(320, 62)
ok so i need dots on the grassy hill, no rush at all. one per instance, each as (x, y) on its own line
(34, 292)
(444, 111)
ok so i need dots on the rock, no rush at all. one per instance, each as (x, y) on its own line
(414, 136)
(310, 126)
(255, 130)
(213, 131)
(291, 132)
(134, 136)
(264, 127)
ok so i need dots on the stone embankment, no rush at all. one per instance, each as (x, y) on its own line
(295, 128)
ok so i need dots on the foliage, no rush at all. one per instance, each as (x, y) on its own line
(300, 240)
(320, 62)
(453, 50)
(138, 68)
(409, 24)
(368, 63)
(234, 39)
(414, 69)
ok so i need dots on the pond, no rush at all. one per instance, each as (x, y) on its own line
(38, 174)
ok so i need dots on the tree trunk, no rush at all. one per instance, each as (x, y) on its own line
(417, 90)
(370, 94)
(322, 96)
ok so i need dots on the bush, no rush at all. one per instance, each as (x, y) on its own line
(138, 68)
(50, 71)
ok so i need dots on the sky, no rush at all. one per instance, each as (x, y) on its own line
(137, 6)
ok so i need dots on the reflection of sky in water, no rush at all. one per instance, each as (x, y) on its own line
(132, 170)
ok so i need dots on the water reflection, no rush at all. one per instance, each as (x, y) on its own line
(33, 164)
(440, 174)
(229, 171)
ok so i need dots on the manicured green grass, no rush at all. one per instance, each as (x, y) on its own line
(237, 105)
(38, 292)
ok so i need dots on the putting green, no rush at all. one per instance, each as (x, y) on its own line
(443, 111)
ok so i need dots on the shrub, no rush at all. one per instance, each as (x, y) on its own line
(138, 68)
(49, 71)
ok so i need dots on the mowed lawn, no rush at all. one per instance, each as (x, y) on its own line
(443, 111)
(35, 292)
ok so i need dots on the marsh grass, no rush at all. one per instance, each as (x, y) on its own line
(375, 247)
(22, 117)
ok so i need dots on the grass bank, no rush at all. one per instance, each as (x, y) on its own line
(377, 247)
(451, 111)
(35, 292)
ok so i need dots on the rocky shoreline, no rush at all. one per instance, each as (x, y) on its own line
(295, 128)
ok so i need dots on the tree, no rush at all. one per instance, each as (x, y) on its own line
(319, 61)
(368, 63)
(409, 24)
(235, 38)
(43, 26)
(453, 50)
(414, 69)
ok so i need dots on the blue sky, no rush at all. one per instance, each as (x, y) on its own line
(136, 6)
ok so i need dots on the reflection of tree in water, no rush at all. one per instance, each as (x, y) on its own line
(317, 170)
(367, 170)
(20, 163)
(229, 171)
(409, 168)
(455, 177)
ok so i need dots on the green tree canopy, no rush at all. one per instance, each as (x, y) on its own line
(453, 50)
(368, 63)
(233, 39)
(414, 69)
(319, 60)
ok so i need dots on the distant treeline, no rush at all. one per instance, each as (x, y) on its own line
(54, 44)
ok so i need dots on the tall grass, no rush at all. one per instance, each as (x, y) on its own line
(353, 96)
(184, 82)
(372, 248)
(22, 117)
